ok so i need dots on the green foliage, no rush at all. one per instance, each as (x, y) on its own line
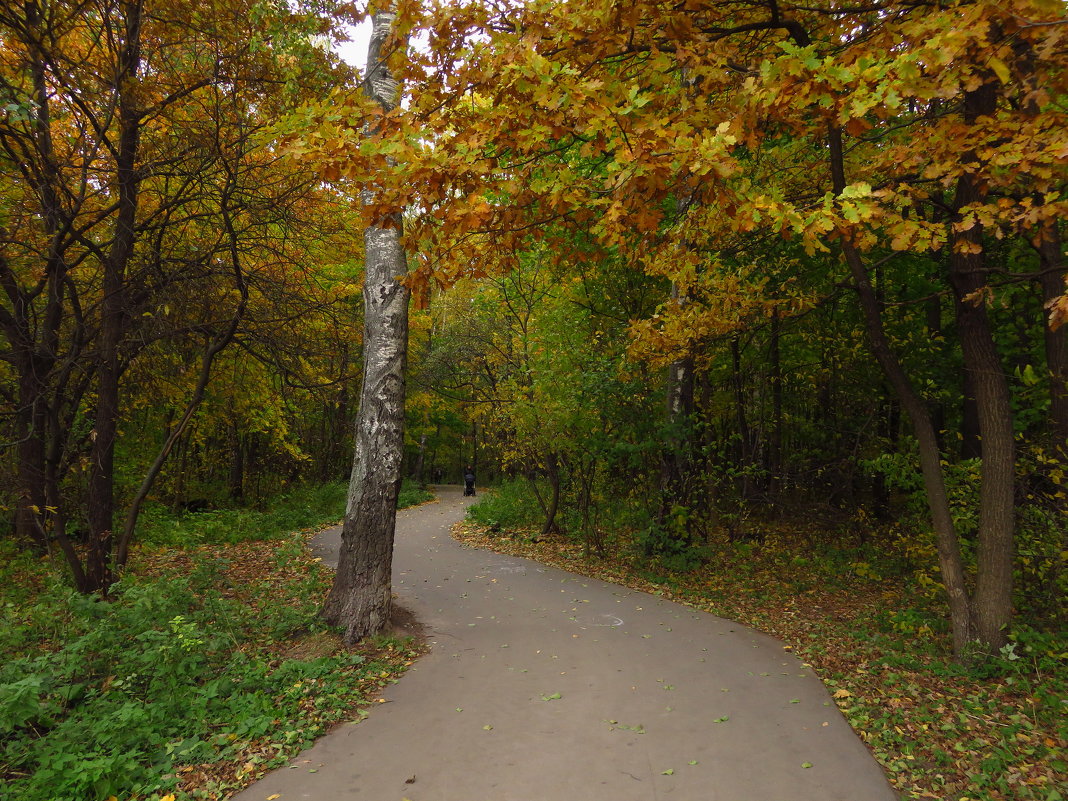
(669, 542)
(511, 505)
(168, 673)
(413, 494)
(1041, 561)
(304, 506)
(1041, 575)
(300, 507)
(102, 698)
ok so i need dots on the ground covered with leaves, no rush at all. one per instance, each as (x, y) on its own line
(990, 731)
(206, 668)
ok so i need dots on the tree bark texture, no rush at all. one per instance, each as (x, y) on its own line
(676, 451)
(360, 598)
(552, 472)
(33, 336)
(997, 504)
(774, 453)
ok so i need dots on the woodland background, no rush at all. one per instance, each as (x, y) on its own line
(693, 282)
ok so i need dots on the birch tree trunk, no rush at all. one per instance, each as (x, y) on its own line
(360, 599)
(676, 454)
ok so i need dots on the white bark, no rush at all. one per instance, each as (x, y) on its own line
(360, 598)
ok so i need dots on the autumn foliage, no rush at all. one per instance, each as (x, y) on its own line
(690, 138)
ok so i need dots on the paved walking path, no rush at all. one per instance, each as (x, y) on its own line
(546, 686)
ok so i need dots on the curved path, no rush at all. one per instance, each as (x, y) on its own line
(546, 686)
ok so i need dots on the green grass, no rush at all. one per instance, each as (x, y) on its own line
(412, 494)
(206, 667)
(298, 508)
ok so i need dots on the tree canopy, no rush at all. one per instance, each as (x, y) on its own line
(744, 256)
(761, 160)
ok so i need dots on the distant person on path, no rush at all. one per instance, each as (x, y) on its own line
(469, 480)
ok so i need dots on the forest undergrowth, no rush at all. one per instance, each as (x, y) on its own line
(206, 668)
(874, 629)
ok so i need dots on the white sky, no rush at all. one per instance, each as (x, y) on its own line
(354, 51)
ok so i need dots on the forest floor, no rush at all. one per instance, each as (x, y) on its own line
(150, 723)
(207, 667)
(940, 729)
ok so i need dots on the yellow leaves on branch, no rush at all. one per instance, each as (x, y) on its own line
(1058, 312)
(714, 301)
(524, 116)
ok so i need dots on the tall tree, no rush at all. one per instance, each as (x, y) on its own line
(137, 181)
(360, 600)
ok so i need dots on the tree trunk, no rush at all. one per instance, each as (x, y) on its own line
(360, 599)
(949, 554)
(934, 333)
(774, 455)
(341, 418)
(993, 589)
(1051, 262)
(30, 502)
(675, 454)
(34, 337)
(420, 459)
(99, 572)
(236, 480)
(745, 449)
(971, 441)
(552, 472)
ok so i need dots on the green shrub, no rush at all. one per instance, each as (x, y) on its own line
(1041, 578)
(512, 505)
(298, 508)
(168, 673)
(412, 493)
(102, 698)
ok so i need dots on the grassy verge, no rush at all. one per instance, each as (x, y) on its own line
(990, 732)
(299, 508)
(207, 669)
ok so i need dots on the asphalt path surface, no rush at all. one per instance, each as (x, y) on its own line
(542, 685)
